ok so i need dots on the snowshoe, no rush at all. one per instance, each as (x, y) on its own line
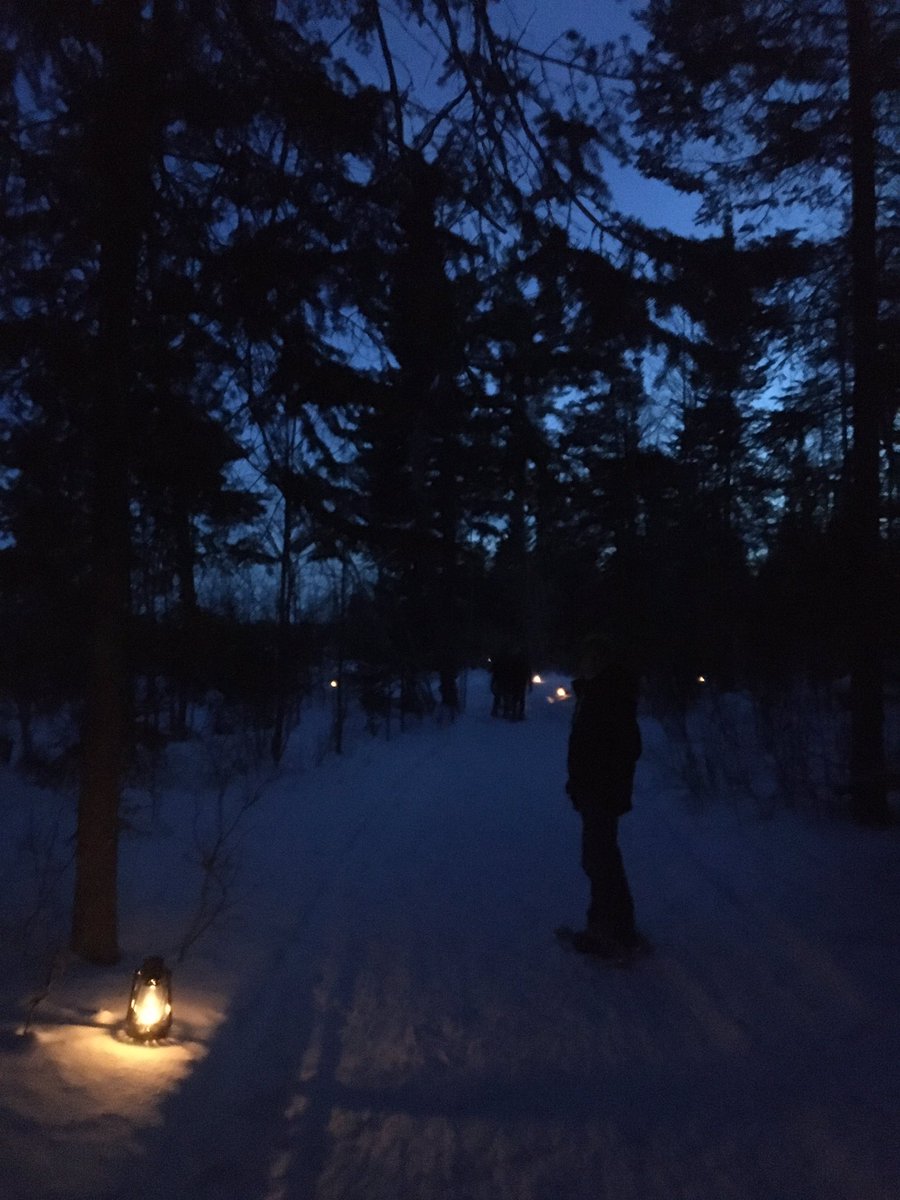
(638, 946)
(594, 946)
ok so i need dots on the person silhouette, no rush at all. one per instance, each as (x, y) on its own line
(603, 749)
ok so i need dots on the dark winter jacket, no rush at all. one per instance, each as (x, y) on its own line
(605, 741)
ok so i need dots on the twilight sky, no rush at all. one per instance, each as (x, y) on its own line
(600, 20)
(543, 22)
(606, 20)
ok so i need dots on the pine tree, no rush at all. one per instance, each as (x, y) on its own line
(788, 98)
(143, 143)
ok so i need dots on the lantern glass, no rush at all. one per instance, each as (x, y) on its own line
(150, 1006)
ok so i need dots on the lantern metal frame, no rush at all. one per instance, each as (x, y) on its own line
(151, 974)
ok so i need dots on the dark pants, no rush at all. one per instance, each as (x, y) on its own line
(611, 911)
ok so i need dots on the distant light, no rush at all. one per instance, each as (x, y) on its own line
(333, 683)
(561, 693)
(701, 679)
(536, 679)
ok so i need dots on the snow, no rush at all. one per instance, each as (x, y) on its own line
(382, 1009)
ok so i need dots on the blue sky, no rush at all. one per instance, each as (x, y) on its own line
(544, 21)
(600, 21)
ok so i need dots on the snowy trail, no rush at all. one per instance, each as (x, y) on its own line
(400, 994)
(421, 1035)
(405, 1027)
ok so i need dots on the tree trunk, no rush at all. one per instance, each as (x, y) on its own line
(120, 187)
(867, 766)
(340, 703)
(283, 631)
(185, 556)
(446, 599)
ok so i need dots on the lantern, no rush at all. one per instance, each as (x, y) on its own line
(150, 1007)
(536, 679)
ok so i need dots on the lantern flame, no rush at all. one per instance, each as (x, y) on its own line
(151, 1007)
(536, 679)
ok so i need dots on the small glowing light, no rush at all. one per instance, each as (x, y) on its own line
(561, 693)
(150, 1005)
(536, 679)
(701, 679)
(333, 683)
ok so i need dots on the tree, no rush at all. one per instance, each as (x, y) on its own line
(415, 440)
(818, 77)
(122, 149)
(139, 137)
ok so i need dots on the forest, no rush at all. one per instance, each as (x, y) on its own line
(329, 352)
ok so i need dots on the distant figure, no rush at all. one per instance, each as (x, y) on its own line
(448, 689)
(604, 746)
(499, 675)
(510, 677)
(519, 682)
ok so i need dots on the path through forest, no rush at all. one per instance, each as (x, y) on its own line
(404, 1025)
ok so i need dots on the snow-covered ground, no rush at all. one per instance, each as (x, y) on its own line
(383, 1012)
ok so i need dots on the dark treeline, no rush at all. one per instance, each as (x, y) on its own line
(309, 364)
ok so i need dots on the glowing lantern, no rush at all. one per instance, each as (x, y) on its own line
(150, 1007)
(333, 683)
(701, 679)
(536, 679)
(561, 693)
